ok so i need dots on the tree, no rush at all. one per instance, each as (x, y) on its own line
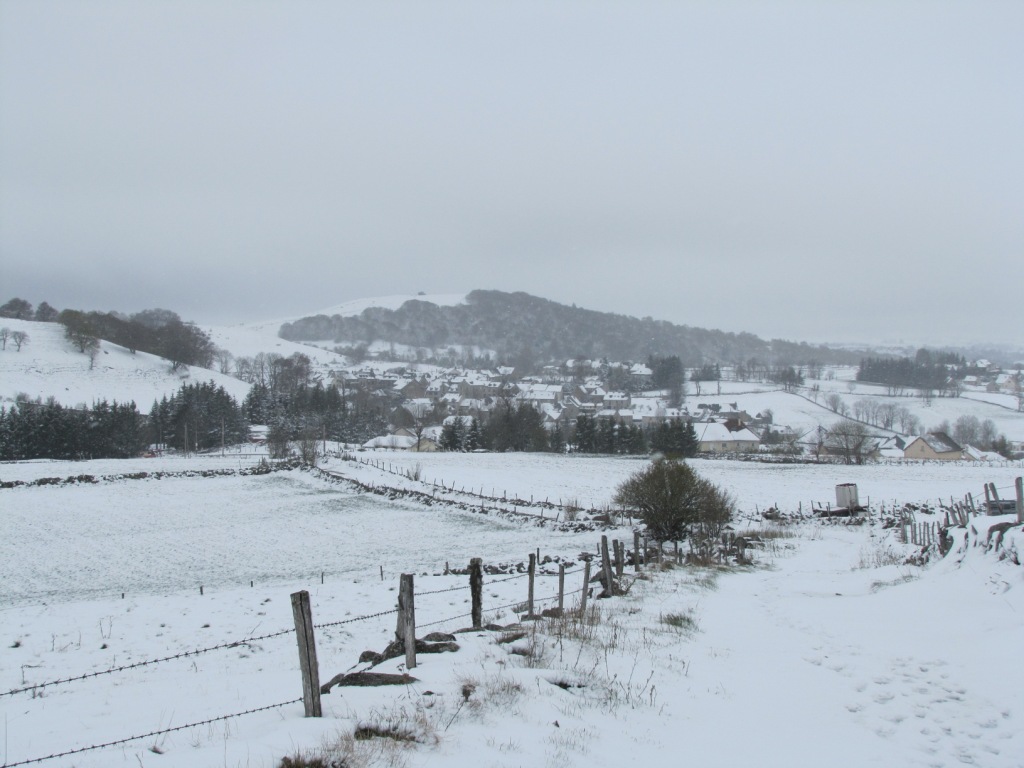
(46, 314)
(452, 434)
(19, 338)
(668, 373)
(17, 309)
(849, 439)
(967, 429)
(674, 503)
(5, 334)
(79, 330)
(277, 441)
(833, 402)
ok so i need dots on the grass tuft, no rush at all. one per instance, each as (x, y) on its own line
(681, 621)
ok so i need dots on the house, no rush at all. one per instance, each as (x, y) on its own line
(936, 446)
(616, 400)
(716, 437)
(976, 454)
(641, 375)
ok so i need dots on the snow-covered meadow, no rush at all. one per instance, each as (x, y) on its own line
(828, 651)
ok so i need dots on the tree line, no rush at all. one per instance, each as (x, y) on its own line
(939, 372)
(156, 331)
(520, 427)
(48, 430)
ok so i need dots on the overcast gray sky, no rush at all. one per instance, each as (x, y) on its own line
(806, 170)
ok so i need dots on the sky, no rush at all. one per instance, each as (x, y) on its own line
(843, 171)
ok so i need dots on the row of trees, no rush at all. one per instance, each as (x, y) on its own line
(197, 417)
(970, 430)
(19, 309)
(48, 430)
(520, 427)
(924, 372)
(156, 331)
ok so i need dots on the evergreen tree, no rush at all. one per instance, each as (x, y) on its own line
(473, 436)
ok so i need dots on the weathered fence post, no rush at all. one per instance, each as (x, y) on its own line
(561, 587)
(606, 567)
(620, 558)
(476, 589)
(586, 588)
(406, 630)
(1019, 485)
(531, 572)
(303, 616)
(636, 551)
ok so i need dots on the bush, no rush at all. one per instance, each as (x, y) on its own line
(675, 503)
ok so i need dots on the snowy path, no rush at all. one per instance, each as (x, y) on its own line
(809, 659)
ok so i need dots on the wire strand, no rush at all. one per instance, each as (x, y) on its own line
(148, 735)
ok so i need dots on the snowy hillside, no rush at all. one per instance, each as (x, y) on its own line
(48, 365)
(832, 648)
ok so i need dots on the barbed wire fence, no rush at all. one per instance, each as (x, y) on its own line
(475, 586)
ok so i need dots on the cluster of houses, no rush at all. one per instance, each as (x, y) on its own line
(421, 405)
(990, 377)
(560, 399)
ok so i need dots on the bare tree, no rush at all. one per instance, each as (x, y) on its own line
(887, 413)
(966, 430)
(308, 440)
(224, 359)
(909, 423)
(19, 338)
(5, 334)
(849, 439)
(833, 402)
(987, 434)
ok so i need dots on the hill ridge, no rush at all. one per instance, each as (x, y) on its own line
(519, 325)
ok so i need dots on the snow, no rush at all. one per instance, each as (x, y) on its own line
(247, 341)
(49, 365)
(829, 650)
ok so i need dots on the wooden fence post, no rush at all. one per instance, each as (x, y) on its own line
(406, 631)
(586, 588)
(476, 588)
(636, 551)
(620, 558)
(303, 616)
(561, 587)
(606, 567)
(1019, 485)
(532, 571)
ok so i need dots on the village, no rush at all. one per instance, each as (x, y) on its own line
(725, 407)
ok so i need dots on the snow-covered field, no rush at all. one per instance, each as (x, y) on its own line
(825, 653)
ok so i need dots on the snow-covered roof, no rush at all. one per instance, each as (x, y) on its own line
(716, 432)
(398, 442)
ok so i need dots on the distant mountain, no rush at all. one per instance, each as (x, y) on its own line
(515, 325)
